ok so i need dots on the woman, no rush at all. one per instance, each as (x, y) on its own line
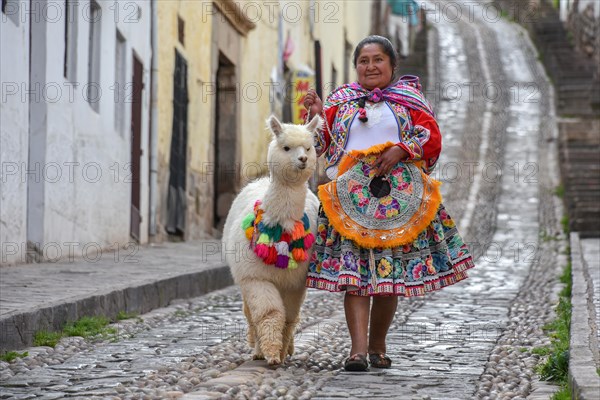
(368, 113)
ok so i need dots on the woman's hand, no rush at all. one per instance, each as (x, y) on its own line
(390, 157)
(313, 103)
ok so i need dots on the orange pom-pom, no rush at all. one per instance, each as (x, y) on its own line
(299, 254)
(298, 231)
(249, 232)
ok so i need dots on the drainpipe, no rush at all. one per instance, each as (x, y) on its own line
(154, 120)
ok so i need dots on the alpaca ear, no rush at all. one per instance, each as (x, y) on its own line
(274, 125)
(315, 123)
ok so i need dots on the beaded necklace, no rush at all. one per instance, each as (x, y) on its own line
(283, 249)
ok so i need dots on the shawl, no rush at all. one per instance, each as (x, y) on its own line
(402, 92)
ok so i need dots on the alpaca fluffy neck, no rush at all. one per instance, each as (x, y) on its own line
(284, 204)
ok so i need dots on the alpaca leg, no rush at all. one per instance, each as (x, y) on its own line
(292, 300)
(251, 335)
(268, 317)
(290, 348)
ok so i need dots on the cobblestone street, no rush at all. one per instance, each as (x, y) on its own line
(470, 340)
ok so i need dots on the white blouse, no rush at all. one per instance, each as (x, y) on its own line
(381, 127)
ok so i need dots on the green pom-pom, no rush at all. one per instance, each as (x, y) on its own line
(248, 221)
(292, 264)
(277, 231)
(297, 244)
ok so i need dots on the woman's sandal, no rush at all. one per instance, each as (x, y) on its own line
(356, 362)
(380, 360)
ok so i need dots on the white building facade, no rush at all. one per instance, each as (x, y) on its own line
(75, 120)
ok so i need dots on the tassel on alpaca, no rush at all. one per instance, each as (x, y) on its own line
(292, 264)
(283, 249)
(299, 254)
(282, 261)
(262, 250)
(263, 239)
(272, 257)
(248, 221)
(298, 231)
(309, 240)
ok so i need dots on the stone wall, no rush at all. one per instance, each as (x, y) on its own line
(584, 24)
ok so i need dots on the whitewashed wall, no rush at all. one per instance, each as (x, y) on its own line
(14, 133)
(79, 198)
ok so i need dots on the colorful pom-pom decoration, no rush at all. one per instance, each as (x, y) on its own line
(283, 249)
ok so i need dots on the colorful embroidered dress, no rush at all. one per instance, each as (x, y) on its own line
(437, 257)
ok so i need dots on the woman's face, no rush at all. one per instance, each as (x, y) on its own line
(373, 67)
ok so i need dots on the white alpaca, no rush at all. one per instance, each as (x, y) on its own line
(272, 296)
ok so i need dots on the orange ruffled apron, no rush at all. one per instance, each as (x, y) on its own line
(379, 212)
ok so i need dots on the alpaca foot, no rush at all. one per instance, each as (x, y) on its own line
(290, 349)
(283, 355)
(257, 354)
(273, 354)
(274, 361)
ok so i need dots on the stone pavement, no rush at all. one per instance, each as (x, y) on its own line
(132, 279)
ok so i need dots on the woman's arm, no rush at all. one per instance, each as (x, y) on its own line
(323, 139)
(424, 142)
(314, 105)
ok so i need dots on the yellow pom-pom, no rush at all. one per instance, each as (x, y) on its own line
(263, 239)
(292, 264)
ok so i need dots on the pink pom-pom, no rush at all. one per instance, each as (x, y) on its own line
(362, 115)
(262, 250)
(309, 240)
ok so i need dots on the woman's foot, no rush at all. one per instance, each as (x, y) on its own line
(380, 360)
(356, 362)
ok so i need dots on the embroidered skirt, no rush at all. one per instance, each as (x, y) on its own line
(437, 258)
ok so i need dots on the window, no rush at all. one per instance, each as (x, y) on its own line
(120, 84)
(10, 8)
(181, 30)
(70, 55)
(93, 85)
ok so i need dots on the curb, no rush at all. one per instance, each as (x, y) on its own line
(584, 380)
(17, 330)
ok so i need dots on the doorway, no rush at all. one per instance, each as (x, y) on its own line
(136, 146)
(176, 201)
(225, 140)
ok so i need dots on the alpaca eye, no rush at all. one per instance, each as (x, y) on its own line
(286, 148)
(308, 149)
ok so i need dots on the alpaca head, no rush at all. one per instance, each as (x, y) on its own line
(292, 157)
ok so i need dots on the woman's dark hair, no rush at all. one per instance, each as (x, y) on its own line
(385, 44)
